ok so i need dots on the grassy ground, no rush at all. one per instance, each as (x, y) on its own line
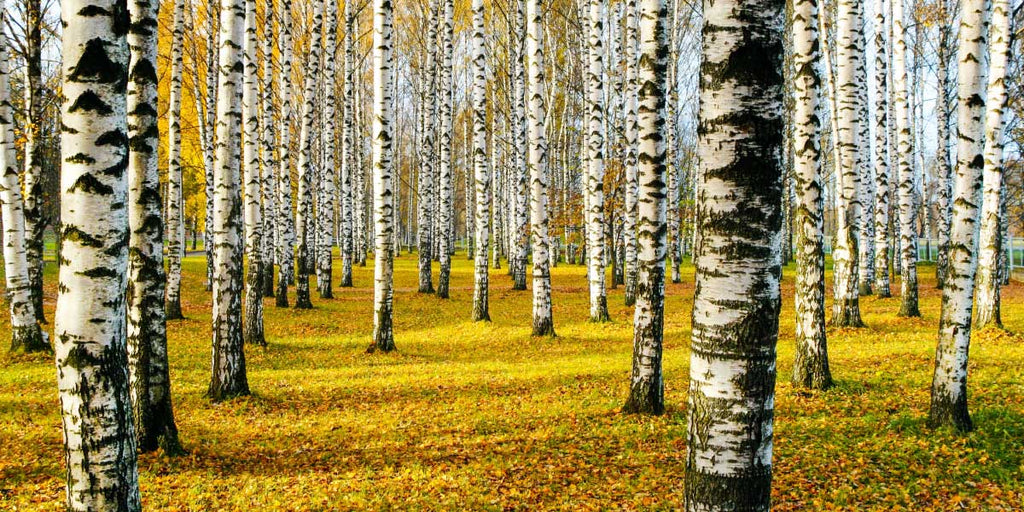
(482, 416)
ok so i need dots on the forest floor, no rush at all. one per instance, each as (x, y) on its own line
(485, 417)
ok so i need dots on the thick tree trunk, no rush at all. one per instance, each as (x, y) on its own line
(26, 336)
(90, 347)
(736, 306)
(383, 187)
(647, 386)
(326, 193)
(810, 365)
(229, 377)
(175, 196)
(949, 383)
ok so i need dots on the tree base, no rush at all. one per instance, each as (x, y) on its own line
(28, 339)
(865, 289)
(955, 415)
(544, 327)
(645, 399)
(426, 289)
(846, 314)
(909, 310)
(172, 310)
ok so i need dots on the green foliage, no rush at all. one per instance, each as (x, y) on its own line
(483, 416)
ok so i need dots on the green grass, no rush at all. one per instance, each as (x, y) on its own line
(482, 416)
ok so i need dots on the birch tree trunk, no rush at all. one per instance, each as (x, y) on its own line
(383, 188)
(26, 335)
(209, 123)
(810, 365)
(630, 217)
(268, 240)
(35, 224)
(537, 161)
(520, 179)
(253, 213)
(90, 324)
(907, 212)
(445, 180)
(229, 377)
(949, 383)
(944, 168)
(991, 241)
(647, 386)
(849, 80)
(480, 164)
(882, 156)
(738, 260)
(326, 189)
(148, 375)
(425, 207)
(595, 163)
(347, 203)
(175, 196)
(286, 225)
(305, 223)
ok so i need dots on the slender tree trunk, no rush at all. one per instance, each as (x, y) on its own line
(425, 197)
(520, 178)
(991, 241)
(210, 123)
(630, 215)
(91, 342)
(882, 156)
(326, 189)
(480, 165)
(736, 306)
(229, 377)
(347, 202)
(907, 212)
(446, 230)
(35, 223)
(304, 220)
(268, 240)
(595, 167)
(849, 80)
(383, 188)
(949, 383)
(944, 168)
(810, 365)
(647, 386)
(286, 224)
(26, 335)
(253, 211)
(175, 196)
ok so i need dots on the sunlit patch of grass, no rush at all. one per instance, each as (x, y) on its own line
(483, 416)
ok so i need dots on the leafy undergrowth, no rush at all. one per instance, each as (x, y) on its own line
(482, 416)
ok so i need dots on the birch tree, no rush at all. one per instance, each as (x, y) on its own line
(647, 387)
(810, 365)
(383, 188)
(326, 189)
(595, 162)
(305, 223)
(480, 165)
(444, 175)
(90, 324)
(268, 240)
(849, 80)
(991, 247)
(882, 156)
(26, 335)
(949, 382)
(944, 168)
(738, 260)
(907, 212)
(286, 226)
(630, 217)
(253, 208)
(208, 125)
(175, 196)
(228, 362)
(425, 182)
(537, 161)
(35, 224)
(520, 179)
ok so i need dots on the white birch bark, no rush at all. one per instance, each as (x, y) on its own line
(481, 173)
(326, 191)
(949, 382)
(253, 177)
(647, 386)
(35, 223)
(738, 258)
(26, 335)
(595, 163)
(520, 178)
(209, 127)
(383, 180)
(268, 144)
(446, 222)
(991, 241)
(944, 168)
(305, 222)
(907, 212)
(882, 156)
(347, 199)
(630, 217)
(425, 182)
(229, 377)
(285, 220)
(90, 322)
(175, 195)
(810, 365)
